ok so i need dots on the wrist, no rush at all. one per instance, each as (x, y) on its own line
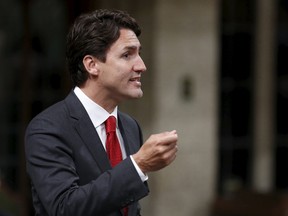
(141, 174)
(137, 160)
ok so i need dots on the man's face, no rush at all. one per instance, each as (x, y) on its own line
(120, 75)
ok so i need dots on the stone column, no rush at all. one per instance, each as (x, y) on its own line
(264, 95)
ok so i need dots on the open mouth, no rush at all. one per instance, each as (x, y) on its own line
(135, 79)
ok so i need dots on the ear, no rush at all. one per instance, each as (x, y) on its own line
(91, 64)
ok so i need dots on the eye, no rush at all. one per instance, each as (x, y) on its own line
(126, 55)
(130, 53)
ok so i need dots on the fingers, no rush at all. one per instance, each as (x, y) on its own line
(167, 138)
(165, 141)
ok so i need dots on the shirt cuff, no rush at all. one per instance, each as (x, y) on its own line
(141, 174)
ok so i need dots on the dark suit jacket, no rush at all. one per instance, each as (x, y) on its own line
(69, 169)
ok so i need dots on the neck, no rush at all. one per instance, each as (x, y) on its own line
(98, 97)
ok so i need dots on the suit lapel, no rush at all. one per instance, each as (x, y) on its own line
(129, 139)
(124, 135)
(87, 132)
(91, 139)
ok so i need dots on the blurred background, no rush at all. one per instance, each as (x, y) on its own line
(217, 72)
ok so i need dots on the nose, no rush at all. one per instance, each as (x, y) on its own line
(139, 65)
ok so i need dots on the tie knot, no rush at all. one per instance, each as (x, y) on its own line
(110, 124)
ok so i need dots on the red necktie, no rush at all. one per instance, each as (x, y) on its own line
(113, 146)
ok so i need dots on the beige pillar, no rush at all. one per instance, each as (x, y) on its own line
(264, 95)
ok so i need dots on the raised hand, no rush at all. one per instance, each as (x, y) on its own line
(157, 152)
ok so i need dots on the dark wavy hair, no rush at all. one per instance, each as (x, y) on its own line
(93, 34)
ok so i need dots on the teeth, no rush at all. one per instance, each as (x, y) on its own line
(134, 79)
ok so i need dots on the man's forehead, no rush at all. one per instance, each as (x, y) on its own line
(128, 40)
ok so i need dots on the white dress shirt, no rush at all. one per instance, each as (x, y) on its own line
(98, 116)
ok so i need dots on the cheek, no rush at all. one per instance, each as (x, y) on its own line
(118, 81)
(117, 74)
(122, 77)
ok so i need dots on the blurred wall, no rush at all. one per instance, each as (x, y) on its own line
(186, 100)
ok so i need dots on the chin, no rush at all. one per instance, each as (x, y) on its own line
(136, 95)
(140, 94)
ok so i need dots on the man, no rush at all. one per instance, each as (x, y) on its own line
(66, 145)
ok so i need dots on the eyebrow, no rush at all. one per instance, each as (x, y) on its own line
(132, 48)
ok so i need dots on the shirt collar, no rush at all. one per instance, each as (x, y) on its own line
(97, 114)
